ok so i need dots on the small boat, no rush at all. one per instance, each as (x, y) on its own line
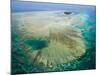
(67, 13)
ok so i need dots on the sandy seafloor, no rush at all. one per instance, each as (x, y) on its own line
(85, 62)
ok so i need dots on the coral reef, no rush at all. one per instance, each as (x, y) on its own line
(50, 38)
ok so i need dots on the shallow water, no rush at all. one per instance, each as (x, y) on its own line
(82, 22)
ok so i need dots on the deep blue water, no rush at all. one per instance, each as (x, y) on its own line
(20, 6)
